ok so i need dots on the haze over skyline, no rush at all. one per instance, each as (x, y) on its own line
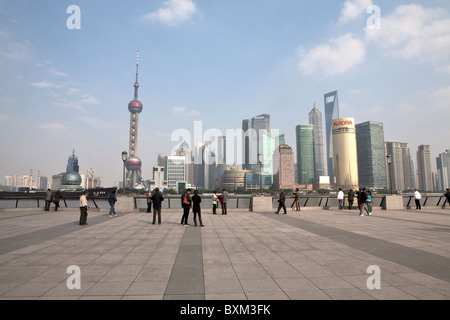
(218, 62)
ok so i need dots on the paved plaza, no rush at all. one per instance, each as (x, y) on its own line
(312, 254)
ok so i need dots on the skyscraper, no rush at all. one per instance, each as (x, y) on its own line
(284, 178)
(371, 155)
(443, 170)
(253, 131)
(401, 173)
(305, 154)
(345, 155)
(175, 171)
(133, 163)
(315, 118)
(331, 112)
(72, 163)
(424, 168)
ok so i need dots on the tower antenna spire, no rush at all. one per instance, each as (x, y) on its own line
(136, 85)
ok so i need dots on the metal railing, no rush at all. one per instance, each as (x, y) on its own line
(244, 202)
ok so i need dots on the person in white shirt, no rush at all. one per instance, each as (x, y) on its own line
(340, 198)
(417, 197)
(214, 201)
(83, 208)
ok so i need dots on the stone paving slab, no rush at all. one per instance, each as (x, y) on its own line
(307, 255)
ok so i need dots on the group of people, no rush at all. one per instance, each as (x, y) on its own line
(52, 198)
(282, 201)
(155, 200)
(363, 196)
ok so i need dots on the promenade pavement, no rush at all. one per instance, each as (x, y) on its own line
(312, 254)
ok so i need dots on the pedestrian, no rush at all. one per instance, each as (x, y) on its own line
(84, 208)
(157, 199)
(224, 201)
(340, 197)
(362, 197)
(417, 197)
(149, 201)
(56, 199)
(350, 198)
(281, 202)
(48, 199)
(196, 200)
(369, 200)
(214, 201)
(296, 200)
(447, 195)
(112, 203)
(186, 204)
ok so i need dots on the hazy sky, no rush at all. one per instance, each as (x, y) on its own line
(215, 61)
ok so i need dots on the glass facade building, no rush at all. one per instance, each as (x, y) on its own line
(305, 154)
(371, 155)
(331, 113)
(315, 118)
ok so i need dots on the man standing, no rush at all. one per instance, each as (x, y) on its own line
(48, 199)
(417, 197)
(186, 204)
(83, 208)
(340, 198)
(282, 202)
(350, 197)
(157, 199)
(224, 199)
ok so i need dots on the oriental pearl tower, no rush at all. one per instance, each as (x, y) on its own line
(133, 163)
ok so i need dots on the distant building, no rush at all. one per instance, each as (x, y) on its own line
(234, 178)
(401, 172)
(443, 170)
(284, 177)
(315, 118)
(424, 168)
(331, 113)
(305, 154)
(175, 169)
(371, 155)
(253, 136)
(345, 155)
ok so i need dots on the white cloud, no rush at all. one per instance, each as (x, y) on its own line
(173, 12)
(441, 98)
(336, 58)
(353, 9)
(46, 84)
(415, 32)
(97, 123)
(57, 73)
(180, 110)
(55, 126)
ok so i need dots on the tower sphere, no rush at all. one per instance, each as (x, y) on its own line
(133, 163)
(135, 106)
(71, 179)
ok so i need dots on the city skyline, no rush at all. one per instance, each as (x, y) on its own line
(219, 63)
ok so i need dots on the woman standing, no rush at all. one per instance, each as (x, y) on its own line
(214, 201)
(149, 201)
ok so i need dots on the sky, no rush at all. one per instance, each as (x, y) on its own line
(67, 73)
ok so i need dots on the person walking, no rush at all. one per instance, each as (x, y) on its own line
(224, 201)
(214, 201)
(340, 197)
(56, 199)
(350, 198)
(149, 201)
(48, 199)
(84, 208)
(186, 204)
(362, 197)
(196, 200)
(157, 199)
(296, 200)
(369, 200)
(112, 203)
(281, 202)
(417, 197)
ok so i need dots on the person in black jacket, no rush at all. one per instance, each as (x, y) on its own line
(157, 199)
(186, 204)
(447, 195)
(282, 202)
(196, 199)
(350, 198)
(362, 197)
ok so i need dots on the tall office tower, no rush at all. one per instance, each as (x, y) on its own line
(185, 151)
(315, 118)
(443, 170)
(413, 173)
(253, 131)
(72, 163)
(133, 163)
(221, 157)
(284, 177)
(331, 113)
(371, 155)
(345, 155)
(305, 154)
(175, 171)
(424, 168)
(401, 173)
